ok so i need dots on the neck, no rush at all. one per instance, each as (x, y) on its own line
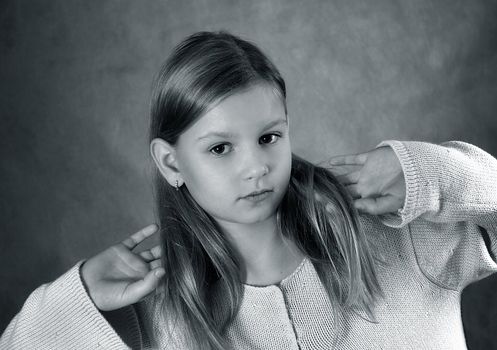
(266, 256)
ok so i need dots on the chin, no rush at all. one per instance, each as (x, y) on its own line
(256, 217)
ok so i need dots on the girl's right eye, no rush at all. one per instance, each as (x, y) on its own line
(219, 149)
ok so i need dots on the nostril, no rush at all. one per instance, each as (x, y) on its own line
(256, 172)
(265, 170)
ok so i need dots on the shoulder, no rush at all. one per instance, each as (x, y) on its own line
(449, 255)
(158, 331)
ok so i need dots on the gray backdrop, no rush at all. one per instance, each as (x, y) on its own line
(75, 80)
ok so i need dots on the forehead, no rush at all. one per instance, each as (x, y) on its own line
(246, 111)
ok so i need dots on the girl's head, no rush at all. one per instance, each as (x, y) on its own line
(219, 125)
(219, 132)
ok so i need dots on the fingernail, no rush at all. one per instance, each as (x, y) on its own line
(159, 272)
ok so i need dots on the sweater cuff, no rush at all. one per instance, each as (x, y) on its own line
(75, 317)
(408, 211)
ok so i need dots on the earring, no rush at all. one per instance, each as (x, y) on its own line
(177, 187)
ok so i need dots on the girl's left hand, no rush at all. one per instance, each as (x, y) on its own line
(374, 179)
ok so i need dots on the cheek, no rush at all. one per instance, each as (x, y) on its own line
(212, 193)
(284, 158)
(204, 181)
(288, 170)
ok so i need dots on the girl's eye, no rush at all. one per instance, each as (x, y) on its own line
(269, 138)
(219, 149)
(224, 148)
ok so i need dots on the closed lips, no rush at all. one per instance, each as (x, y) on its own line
(256, 193)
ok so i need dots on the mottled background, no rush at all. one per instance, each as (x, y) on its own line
(75, 80)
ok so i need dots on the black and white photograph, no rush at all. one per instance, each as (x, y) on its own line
(268, 174)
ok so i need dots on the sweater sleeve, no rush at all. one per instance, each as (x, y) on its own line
(61, 315)
(450, 209)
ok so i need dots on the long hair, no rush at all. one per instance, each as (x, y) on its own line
(204, 69)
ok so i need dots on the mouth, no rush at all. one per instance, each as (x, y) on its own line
(258, 195)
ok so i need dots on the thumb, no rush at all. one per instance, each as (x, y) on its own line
(141, 288)
(376, 206)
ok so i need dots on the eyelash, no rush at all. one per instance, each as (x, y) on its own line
(224, 144)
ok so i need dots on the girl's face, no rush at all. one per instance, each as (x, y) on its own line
(238, 147)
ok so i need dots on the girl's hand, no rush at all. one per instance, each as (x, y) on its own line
(118, 277)
(374, 179)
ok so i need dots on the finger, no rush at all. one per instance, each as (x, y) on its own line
(376, 206)
(352, 189)
(343, 169)
(349, 179)
(156, 251)
(136, 238)
(155, 264)
(141, 288)
(151, 254)
(146, 255)
(349, 159)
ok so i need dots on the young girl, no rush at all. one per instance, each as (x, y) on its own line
(263, 250)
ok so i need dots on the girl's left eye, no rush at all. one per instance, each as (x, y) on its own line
(269, 138)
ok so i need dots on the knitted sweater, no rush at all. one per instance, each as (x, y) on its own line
(442, 239)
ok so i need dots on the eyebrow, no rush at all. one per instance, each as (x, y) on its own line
(228, 135)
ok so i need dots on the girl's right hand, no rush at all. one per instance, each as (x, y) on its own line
(118, 277)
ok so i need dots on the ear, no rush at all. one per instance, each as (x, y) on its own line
(164, 156)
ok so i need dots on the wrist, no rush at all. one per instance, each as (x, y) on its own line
(83, 275)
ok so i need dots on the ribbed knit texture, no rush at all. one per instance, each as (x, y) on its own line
(432, 249)
(61, 315)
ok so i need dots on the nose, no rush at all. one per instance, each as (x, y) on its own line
(255, 166)
(257, 171)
